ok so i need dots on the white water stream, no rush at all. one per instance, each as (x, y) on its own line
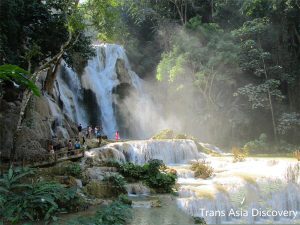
(258, 190)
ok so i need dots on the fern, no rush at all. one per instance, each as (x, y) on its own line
(32, 201)
(18, 75)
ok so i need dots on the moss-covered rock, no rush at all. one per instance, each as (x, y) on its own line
(165, 134)
(99, 189)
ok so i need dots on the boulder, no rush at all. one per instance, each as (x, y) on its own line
(99, 189)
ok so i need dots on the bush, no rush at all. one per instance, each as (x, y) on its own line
(257, 146)
(202, 169)
(297, 155)
(239, 155)
(153, 174)
(157, 178)
(117, 182)
(117, 213)
(66, 168)
(132, 171)
(153, 166)
(73, 169)
(35, 200)
(161, 182)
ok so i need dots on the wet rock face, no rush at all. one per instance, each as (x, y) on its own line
(99, 189)
(8, 116)
(122, 72)
(36, 130)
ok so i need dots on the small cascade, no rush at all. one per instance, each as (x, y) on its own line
(237, 195)
(134, 189)
(140, 152)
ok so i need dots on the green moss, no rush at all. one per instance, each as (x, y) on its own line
(99, 189)
(165, 134)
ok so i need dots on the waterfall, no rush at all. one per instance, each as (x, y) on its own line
(99, 79)
(140, 152)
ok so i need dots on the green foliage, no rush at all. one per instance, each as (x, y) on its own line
(288, 122)
(67, 168)
(132, 171)
(18, 75)
(259, 145)
(111, 163)
(117, 182)
(23, 200)
(105, 15)
(153, 174)
(116, 213)
(202, 169)
(73, 169)
(124, 199)
(32, 31)
(258, 94)
(162, 182)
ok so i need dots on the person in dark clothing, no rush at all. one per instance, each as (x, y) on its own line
(79, 128)
(99, 137)
(83, 140)
(70, 147)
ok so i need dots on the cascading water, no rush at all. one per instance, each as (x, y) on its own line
(100, 78)
(68, 88)
(140, 152)
(258, 190)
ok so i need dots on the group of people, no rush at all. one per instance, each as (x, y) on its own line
(90, 132)
(76, 146)
(96, 132)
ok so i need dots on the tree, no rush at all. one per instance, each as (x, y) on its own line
(47, 31)
(255, 60)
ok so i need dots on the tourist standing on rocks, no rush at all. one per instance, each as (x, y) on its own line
(90, 129)
(98, 135)
(96, 131)
(77, 144)
(70, 147)
(117, 135)
(79, 128)
(51, 150)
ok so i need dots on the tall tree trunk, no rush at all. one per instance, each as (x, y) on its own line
(269, 96)
(50, 78)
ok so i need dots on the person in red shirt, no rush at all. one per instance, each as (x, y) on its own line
(117, 136)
